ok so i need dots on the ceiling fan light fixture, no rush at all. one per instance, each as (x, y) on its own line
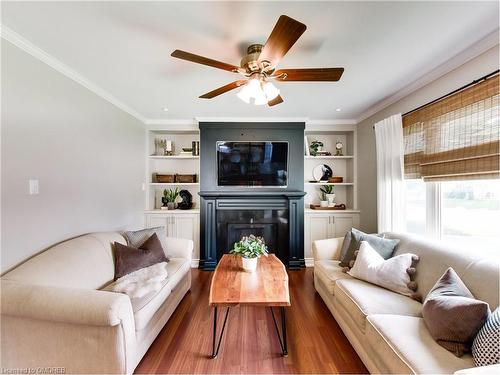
(252, 93)
(244, 94)
(258, 92)
(260, 99)
(270, 90)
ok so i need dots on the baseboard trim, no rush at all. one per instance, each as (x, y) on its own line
(195, 263)
(309, 262)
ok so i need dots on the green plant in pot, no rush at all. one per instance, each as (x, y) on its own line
(329, 194)
(169, 198)
(250, 248)
(315, 147)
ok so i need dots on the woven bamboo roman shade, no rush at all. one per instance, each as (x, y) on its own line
(456, 137)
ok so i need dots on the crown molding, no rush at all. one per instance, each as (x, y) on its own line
(28, 47)
(332, 122)
(162, 121)
(483, 45)
(196, 120)
(251, 119)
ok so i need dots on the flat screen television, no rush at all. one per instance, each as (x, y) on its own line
(255, 164)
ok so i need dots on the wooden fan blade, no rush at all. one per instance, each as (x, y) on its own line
(204, 61)
(313, 74)
(284, 35)
(223, 89)
(275, 101)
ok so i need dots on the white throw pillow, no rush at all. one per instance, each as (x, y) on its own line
(390, 274)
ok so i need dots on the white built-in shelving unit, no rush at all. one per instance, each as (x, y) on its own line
(175, 164)
(344, 166)
(177, 223)
(322, 224)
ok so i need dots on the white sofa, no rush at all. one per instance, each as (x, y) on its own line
(55, 312)
(387, 329)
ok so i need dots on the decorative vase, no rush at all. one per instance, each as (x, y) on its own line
(323, 203)
(249, 264)
(165, 202)
(331, 199)
(171, 205)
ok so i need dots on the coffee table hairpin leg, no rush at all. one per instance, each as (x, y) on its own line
(215, 349)
(283, 344)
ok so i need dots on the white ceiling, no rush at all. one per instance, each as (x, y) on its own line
(124, 47)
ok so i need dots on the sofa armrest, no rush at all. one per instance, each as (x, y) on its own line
(180, 248)
(65, 305)
(327, 249)
(480, 370)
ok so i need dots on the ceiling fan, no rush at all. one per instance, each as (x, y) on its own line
(258, 66)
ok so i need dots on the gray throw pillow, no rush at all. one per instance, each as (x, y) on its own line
(452, 315)
(384, 246)
(138, 237)
(486, 345)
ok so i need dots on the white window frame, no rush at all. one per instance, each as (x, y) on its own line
(433, 209)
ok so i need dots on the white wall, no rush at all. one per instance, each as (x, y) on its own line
(87, 154)
(367, 175)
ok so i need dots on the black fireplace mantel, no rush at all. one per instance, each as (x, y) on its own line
(289, 200)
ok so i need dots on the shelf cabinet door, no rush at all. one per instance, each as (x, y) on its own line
(186, 226)
(166, 221)
(317, 228)
(343, 224)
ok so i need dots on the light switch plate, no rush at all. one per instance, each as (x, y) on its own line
(33, 184)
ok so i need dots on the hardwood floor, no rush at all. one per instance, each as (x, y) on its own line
(316, 343)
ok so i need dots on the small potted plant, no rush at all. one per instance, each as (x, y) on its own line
(250, 248)
(329, 194)
(315, 147)
(169, 198)
(322, 199)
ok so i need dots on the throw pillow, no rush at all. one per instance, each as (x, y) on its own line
(452, 315)
(129, 259)
(345, 245)
(138, 237)
(391, 274)
(486, 345)
(385, 247)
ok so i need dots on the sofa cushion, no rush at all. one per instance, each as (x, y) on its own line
(177, 268)
(362, 299)
(138, 237)
(385, 247)
(486, 345)
(452, 315)
(389, 273)
(129, 259)
(329, 271)
(403, 344)
(146, 306)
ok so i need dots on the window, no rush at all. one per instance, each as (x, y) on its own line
(470, 214)
(462, 213)
(451, 162)
(415, 206)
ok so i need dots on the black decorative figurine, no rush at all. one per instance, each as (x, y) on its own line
(187, 200)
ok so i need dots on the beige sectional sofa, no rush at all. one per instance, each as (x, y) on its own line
(56, 313)
(385, 328)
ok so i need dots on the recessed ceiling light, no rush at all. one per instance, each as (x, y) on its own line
(165, 109)
(339, 109)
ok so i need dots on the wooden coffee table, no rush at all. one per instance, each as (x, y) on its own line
(267, 286)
